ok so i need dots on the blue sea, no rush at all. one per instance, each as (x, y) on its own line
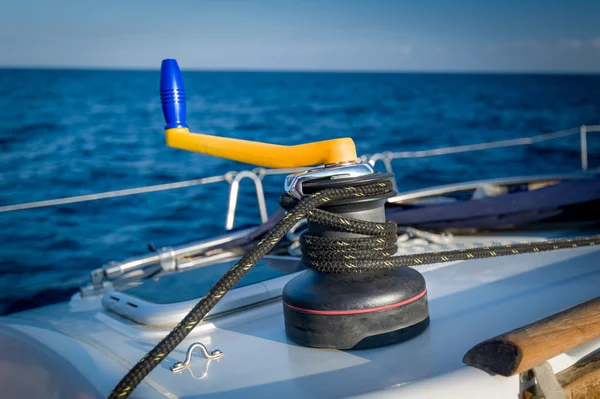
(74, 132)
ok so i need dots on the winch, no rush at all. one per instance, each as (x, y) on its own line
(353, 295)
(345, 309)
(348, 308)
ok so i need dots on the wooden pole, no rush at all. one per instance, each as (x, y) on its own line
(525, 347)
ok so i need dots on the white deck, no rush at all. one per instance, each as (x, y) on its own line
(469, 302)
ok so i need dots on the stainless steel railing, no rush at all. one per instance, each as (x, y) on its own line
(256, 175)
(387, 157)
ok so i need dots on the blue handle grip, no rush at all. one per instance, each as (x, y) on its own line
(172, 94)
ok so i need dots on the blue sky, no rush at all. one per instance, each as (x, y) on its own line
(378, 35)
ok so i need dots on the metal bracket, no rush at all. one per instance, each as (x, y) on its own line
(168, 261)
(97, 285)
(233, 196)
(216, 354)
(546, 380)
(293, 182)
(386, 159)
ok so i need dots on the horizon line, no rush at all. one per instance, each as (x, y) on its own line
(305, 70)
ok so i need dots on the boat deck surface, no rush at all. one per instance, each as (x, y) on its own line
(469, 302)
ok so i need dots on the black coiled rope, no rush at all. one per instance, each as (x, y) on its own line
(375, 252)
(325, 255)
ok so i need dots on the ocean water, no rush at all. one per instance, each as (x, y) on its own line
(69, 132)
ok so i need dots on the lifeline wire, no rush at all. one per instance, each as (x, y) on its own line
(261, 172)
(326, 255)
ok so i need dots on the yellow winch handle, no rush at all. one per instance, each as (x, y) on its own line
(252, 152)
(264, 154)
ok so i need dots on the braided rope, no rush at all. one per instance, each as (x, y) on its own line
(233, 275)
(325, 255)
(375, 252)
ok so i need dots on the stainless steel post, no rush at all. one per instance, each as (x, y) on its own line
(583, 142)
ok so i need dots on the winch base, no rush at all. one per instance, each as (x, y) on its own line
(355, 311)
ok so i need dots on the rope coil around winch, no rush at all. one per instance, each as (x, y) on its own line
(375, 252)
(327, 255)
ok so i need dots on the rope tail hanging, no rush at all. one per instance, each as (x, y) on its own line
(326, 255)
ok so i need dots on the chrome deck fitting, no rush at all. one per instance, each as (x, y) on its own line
(216, 354)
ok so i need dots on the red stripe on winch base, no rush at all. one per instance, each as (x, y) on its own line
(358, 311)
